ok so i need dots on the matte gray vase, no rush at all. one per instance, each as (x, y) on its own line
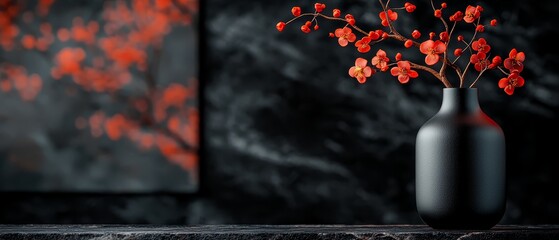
(460, 165)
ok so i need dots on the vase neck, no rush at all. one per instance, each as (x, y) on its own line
(460, 100)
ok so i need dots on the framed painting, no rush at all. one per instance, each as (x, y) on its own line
(99, 96)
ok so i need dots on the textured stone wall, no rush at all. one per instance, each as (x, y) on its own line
(290, 138)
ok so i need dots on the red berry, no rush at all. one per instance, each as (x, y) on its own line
(331, 35)
(496, 60)
(480, 28)
(479, 8)
(319, 7)
(457, 52)
(374, 35)
(280, 26)
(336, 13)
(438, 13)
(416, 34)
(308, 23)
(443, 5)
(409, 7)
(350, 19)
(443, 36)
(305, 29)
(316, 27)
(460, 38)
(384, 35)
(408, 43)
(432, 35)
(296, 11)
(494, 22)
(398, 56)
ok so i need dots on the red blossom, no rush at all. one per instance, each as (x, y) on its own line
(416, 34)
(481, 46)
(361, 71)
(350, 19)
(404, 72)
(336, 13)
(480, 28)
(432, 49)
(479, 60)
(409, 7)
(373, 35)
(444, 36)
(344, 36)
(392, 16)
(408, 43)
(457, 16)
(472, 14)
(511, 82)
(280, 26)
(363, 45)
(493, 22)
(443, 5)
(319, 7)
(296, 11)
(305, 29)
(398, 56)
(515, 61)
(460, 38)
(457, 52)
(438, 13)
(380, 61)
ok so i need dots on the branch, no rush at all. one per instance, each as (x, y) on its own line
(478, 76)
(326, 17)
(432, 71)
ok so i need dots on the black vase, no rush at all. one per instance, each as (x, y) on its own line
(460, 165)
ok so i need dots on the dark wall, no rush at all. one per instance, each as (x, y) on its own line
(290, 138)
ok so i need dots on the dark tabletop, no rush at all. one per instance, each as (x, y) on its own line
(408, 232)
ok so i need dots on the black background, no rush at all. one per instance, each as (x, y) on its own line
(289, 137)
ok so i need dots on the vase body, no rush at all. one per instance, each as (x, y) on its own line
(460, 165)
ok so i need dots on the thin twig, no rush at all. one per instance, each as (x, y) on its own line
(432, 71)
(478, 76)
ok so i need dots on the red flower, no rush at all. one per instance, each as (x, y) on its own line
(456, 17)
(472, 14)
(319, 7)
(373, 35)
(380, 61)
(408, 43)
(398, 56)
(508, 84)
(479, 61)
(481, 46)
(336, 13)
(480, 28)
(361, 71)
(416, 34)
(296, 11)
(409, 7)
(350, 19)
(363, 45)
(514, 62)
(392, 16)
(280, 26)
(404, 72)
(444, 36)
(495, 62)
(345, 35)
(438, 13)
(432, 49)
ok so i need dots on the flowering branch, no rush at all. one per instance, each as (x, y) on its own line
(435, 50)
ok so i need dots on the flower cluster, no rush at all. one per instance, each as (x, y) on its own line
(435, 46)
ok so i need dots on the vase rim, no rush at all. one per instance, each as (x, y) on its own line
(459, 89)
